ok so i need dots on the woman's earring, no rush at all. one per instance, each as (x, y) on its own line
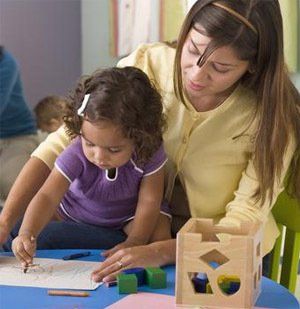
(251, 70)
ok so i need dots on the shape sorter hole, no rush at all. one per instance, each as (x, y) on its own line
(210, 237)
(200, 283)
(214, 259)
(258, 249)
(229, 284)
(259, 272)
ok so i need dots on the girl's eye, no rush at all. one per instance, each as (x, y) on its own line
(219, 69)
(88, 144)
(114, 150)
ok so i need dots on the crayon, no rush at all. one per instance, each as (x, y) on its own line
(68, 293)
(76, 255)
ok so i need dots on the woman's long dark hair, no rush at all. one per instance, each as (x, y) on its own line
(277, 100)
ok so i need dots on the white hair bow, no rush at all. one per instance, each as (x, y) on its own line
(81, 109)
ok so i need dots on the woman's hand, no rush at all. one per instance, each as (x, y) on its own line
(153, 255)
(24, 247)
(140, 256)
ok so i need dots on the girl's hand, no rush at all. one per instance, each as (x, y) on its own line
(139, 256)
(24, 247)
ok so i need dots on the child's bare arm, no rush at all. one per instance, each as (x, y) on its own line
(141, 228)
(148, 208)
(39, 213)
(44, 204)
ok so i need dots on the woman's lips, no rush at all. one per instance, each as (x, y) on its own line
(195, 86)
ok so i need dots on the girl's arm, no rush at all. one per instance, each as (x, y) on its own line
(147, 212)
(44, 204)
(38, 214)
(148, 208)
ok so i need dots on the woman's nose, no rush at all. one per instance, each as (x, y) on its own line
(199, 73)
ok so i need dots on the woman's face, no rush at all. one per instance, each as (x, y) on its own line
(218, 74)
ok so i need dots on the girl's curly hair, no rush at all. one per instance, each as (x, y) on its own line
(126, 97)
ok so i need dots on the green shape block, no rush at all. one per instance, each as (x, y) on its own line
(224, 286)
(156, 278)
(127, 284)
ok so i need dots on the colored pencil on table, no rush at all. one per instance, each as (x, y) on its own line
(68, 293)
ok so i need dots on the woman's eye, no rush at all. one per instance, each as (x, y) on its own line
(194, 51)
(220, 69)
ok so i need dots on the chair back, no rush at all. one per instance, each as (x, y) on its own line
(286, 211)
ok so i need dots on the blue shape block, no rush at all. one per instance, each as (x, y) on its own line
(139, 272)
(233, 287)
(202, 276)
(200, 284)
(214, 264)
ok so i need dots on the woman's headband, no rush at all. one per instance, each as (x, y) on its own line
(236, 14)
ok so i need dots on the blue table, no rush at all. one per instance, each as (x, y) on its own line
(273, 295)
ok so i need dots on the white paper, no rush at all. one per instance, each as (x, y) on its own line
(51, 273)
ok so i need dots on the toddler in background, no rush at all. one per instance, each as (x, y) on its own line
(49, 113)
(112, 173)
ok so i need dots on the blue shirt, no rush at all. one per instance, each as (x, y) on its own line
(16, 119)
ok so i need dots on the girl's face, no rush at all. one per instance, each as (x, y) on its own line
(219, 73)
(104, 144)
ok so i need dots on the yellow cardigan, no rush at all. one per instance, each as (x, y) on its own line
(209, 151)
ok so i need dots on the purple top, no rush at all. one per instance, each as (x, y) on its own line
(93, 197)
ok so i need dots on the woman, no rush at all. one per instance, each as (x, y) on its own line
(18, 133)
(233, 123)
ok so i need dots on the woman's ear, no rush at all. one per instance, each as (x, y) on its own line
(251, 69)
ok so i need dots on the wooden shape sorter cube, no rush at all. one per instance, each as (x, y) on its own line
(226, 261)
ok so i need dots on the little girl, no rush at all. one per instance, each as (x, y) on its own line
(112, 173)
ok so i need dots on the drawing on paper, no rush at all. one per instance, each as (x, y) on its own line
(50, 273)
